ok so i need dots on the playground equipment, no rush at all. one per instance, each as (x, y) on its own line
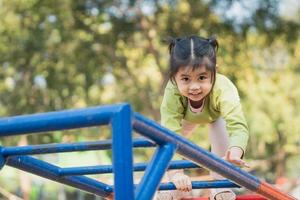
(122, 121)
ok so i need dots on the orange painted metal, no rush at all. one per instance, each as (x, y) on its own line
(273, 193)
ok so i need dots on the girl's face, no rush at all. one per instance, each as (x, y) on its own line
(194, 84)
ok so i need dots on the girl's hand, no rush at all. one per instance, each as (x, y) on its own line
(182, 182)
(233, 155)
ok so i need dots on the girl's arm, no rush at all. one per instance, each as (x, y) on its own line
(227, 101)
(238, 133)
(172, 112)
(172, 108)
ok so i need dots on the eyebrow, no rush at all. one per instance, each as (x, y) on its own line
(203, 73)
(184, 75)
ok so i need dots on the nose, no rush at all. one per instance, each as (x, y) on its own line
(195, 86)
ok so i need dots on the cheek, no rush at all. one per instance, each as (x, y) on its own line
(181, 88)
(208, 86)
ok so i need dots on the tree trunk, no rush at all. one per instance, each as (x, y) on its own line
(280, 163)
(281, 155)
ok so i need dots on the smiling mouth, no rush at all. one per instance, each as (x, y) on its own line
(194, 94)
(195, 97)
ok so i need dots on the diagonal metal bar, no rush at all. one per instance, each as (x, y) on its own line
(155, 171)
(51, 172)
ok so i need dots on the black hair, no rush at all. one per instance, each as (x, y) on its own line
(192, 51)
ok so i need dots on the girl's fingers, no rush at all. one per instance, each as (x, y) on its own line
(247, 165)
(183, 185)
(244, 164)
(227, 156)
(180, 185)
(240, 163)
(188, 185)
(182, 182)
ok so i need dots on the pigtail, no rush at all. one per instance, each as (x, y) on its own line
(172, 42)
(213, 42)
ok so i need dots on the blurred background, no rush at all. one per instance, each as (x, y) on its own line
(67, 54)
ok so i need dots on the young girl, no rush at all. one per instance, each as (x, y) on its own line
(196, 94)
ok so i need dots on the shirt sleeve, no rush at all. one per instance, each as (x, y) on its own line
(230, 108)
(172, 108)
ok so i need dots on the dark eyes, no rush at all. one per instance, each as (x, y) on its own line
(185, 79)
(202, 78)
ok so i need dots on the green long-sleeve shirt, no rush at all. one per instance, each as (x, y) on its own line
(223, 101)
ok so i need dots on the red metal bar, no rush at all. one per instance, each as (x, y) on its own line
(242, 197)
(273, 193)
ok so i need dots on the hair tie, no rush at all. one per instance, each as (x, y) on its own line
(213, 42)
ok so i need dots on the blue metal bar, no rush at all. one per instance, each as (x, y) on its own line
(202, 185)
(58, 120)
(69, 147)
(51, 172)
(195, 153)
(2, 158)
(105, 169)
(155, 172)
(122, 154)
